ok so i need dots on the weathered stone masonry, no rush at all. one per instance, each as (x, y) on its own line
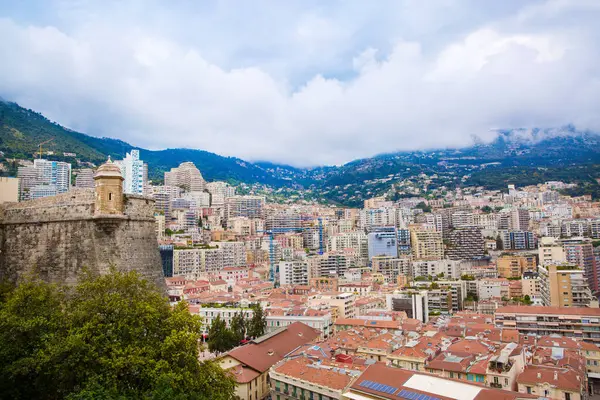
(58, 237)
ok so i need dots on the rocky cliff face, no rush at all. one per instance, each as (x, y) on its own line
(57, 238)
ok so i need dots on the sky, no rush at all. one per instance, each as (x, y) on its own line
(303, 82)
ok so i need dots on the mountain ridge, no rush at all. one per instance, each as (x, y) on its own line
(507, 157)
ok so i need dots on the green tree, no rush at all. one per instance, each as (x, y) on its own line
(486, 209)
(113, 336)
(238, 326)
(423, 207)
(258, 322)
(499, 243)
(220, 337)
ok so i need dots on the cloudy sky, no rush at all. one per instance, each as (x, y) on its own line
(303, 82)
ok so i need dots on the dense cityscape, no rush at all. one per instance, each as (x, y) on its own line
(473, 292)
(300, 200)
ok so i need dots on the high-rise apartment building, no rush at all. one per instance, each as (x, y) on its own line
(45, 178)
(245, 206)
(391, 267)
(294, 273)
(580, 252)
(219, 192)
(564, 286)
(530, 285)
(595, 229)
(84, 178)
(234, 253)
(403, 242)
(334, 264)
(160, 226)
(577, 228)
(513, 266)
(186, 176)
(550, 251)
(132, 170)
(563, 321)
(449, 269)
(426, 244)
(518, 240)
(462, 218)
(519, 219)
(466, 243)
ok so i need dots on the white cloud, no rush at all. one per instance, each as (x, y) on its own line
(303, 84)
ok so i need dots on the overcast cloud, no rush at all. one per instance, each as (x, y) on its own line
(303, 82)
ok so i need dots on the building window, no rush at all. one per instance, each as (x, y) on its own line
(567, 396)
(528, 389)
(496, 380)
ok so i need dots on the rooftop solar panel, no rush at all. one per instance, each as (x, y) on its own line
(378, 387)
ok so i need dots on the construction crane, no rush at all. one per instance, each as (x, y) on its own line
(272, 232)
(43, 143)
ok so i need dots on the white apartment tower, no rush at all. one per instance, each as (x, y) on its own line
(133, 171)
(293, 273)
(186, 176)
(45, 178)
(219, 192)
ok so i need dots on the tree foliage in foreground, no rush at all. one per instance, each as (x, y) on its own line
(110, 337)
(257, 325)
(220, 337)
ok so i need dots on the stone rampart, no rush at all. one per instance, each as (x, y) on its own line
(58, 237)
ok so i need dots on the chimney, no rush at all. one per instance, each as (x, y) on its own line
(539, 375)
(555, 376)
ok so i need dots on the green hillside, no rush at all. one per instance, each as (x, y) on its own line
(564, 154)
(22, 130)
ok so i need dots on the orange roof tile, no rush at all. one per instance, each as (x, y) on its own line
(562, 378)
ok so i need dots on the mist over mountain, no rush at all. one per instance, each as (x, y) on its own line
(516, 154)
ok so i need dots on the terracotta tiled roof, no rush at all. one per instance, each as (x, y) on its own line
(563, 359)
(243, 374)
(262, 353)
(470, 346)
(298, 368)
(562, 378)
(411, 324)
(425, 348)
(377, 324)
(398, 378)
(558, 341)
(455, 361)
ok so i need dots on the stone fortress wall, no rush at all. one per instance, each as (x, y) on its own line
(57, 237)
